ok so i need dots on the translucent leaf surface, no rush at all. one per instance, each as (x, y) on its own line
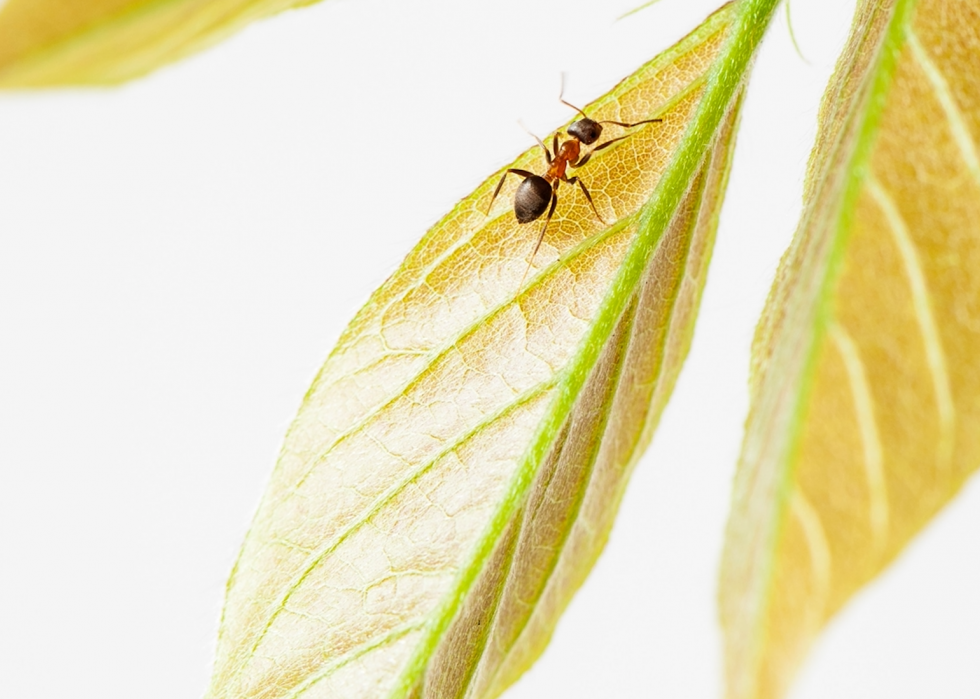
(46, 43)
(454, 471)
(865, 414)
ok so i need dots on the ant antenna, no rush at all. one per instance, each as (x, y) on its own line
(592, 123)
(561, 95)
(547, 153)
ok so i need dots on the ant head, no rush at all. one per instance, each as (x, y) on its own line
(586, 130)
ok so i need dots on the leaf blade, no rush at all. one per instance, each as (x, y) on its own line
(441, 350)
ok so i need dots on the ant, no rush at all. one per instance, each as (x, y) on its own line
(536, 191)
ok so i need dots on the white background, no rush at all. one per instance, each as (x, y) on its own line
(179, 255)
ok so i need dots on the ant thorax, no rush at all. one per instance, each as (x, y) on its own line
(569, 151)
(566, 155)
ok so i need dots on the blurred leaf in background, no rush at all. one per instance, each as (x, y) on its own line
(56, 43)
(865, 416)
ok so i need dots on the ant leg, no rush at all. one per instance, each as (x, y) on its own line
(585, 158)
(544, 228)
(581, 184)
(635, 123)
(522, 173)
(607, 144)
(551, 211)
(547, 153)
(569, 104)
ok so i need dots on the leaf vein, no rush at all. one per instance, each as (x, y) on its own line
(354, 654)
(320, 555)
(935, 355)
(816, 540)
(874, 472)
(452, 344)
(954, 115)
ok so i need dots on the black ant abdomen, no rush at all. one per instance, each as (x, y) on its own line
(531, 198)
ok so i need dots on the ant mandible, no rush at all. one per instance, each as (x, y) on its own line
(536, 191)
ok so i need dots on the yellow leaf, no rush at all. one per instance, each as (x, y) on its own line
(454, 471)
(865, 415)
(49, 43)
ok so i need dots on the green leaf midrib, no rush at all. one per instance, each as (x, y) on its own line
(856, 173)
(613, 392)
(579, 496)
